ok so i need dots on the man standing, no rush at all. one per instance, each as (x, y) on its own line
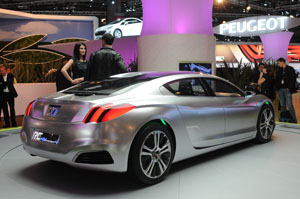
(104, 62)
(7, 96)
(285, 82)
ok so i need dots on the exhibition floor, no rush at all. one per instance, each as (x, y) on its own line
(247, 170)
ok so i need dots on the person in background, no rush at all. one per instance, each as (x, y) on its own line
(78, 64)
(15, 81)
(261, 67)
(254, 86)
(7, 96)
(60, 80)
(105, 62)
(9, 72)
(265, 83)
(285, 83)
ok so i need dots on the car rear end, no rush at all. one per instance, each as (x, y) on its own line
(69, 131)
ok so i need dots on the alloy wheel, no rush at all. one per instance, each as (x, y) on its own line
(117, 34)
(155, 154)
(267, 124)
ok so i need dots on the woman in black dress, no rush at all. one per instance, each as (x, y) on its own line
(266, 83)
(78, 64)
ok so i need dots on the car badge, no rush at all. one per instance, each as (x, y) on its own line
(52, 111)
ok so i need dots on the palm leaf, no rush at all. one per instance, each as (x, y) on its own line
(23, 43)
(68, 40)
(32, 56)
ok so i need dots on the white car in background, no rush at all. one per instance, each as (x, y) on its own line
(121, 28)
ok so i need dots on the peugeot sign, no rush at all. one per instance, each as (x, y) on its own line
(255, 26)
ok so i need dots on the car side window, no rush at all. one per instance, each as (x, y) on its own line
(136, 21)
(186, 87)
(129, 21)
(222, 88)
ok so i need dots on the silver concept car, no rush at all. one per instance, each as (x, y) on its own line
(142, 122)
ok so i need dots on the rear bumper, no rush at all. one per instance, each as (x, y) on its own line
(78, 139)
(70, 157)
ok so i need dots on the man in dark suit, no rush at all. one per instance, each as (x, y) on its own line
(7, 96)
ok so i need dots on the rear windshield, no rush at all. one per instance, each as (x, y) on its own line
(110, 85)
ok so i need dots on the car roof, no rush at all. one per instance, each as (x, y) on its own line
(166, 76)
(159, 74)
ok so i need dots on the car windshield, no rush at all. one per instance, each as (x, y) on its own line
(112, 84)
(114, 22)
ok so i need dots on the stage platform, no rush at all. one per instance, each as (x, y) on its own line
(244, 171)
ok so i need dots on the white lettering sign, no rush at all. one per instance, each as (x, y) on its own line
(37, 136)
(255, 26)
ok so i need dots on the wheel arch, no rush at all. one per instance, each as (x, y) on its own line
(154, 121)
(113, 32)
(266, 103)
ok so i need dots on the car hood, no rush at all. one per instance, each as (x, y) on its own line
(105, 27)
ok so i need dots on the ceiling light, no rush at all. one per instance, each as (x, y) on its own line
(248, 8)
(220, 1)
(223, 22)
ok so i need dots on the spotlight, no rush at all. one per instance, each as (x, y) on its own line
(248, 8)
(220, 1)
(223, 22)
(291, 16)
(113, 2)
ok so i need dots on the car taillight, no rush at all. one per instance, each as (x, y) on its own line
(95, 113)
(28, 109)
(107, 112)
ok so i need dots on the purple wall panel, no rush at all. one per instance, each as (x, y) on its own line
(276, 45)
(127, 47)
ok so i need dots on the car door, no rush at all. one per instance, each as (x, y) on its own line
(202, 114)
(136, 27)
(125, 27)
(240, 114)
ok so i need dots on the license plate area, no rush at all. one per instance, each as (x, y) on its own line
(40, 136)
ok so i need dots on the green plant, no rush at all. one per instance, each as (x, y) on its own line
(241, 75)
(133, 65)
(244, 73)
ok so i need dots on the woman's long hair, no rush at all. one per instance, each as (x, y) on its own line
(76, 52)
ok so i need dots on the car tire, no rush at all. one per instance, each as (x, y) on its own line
(117, 33)
(150, 161)
(265, 124)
